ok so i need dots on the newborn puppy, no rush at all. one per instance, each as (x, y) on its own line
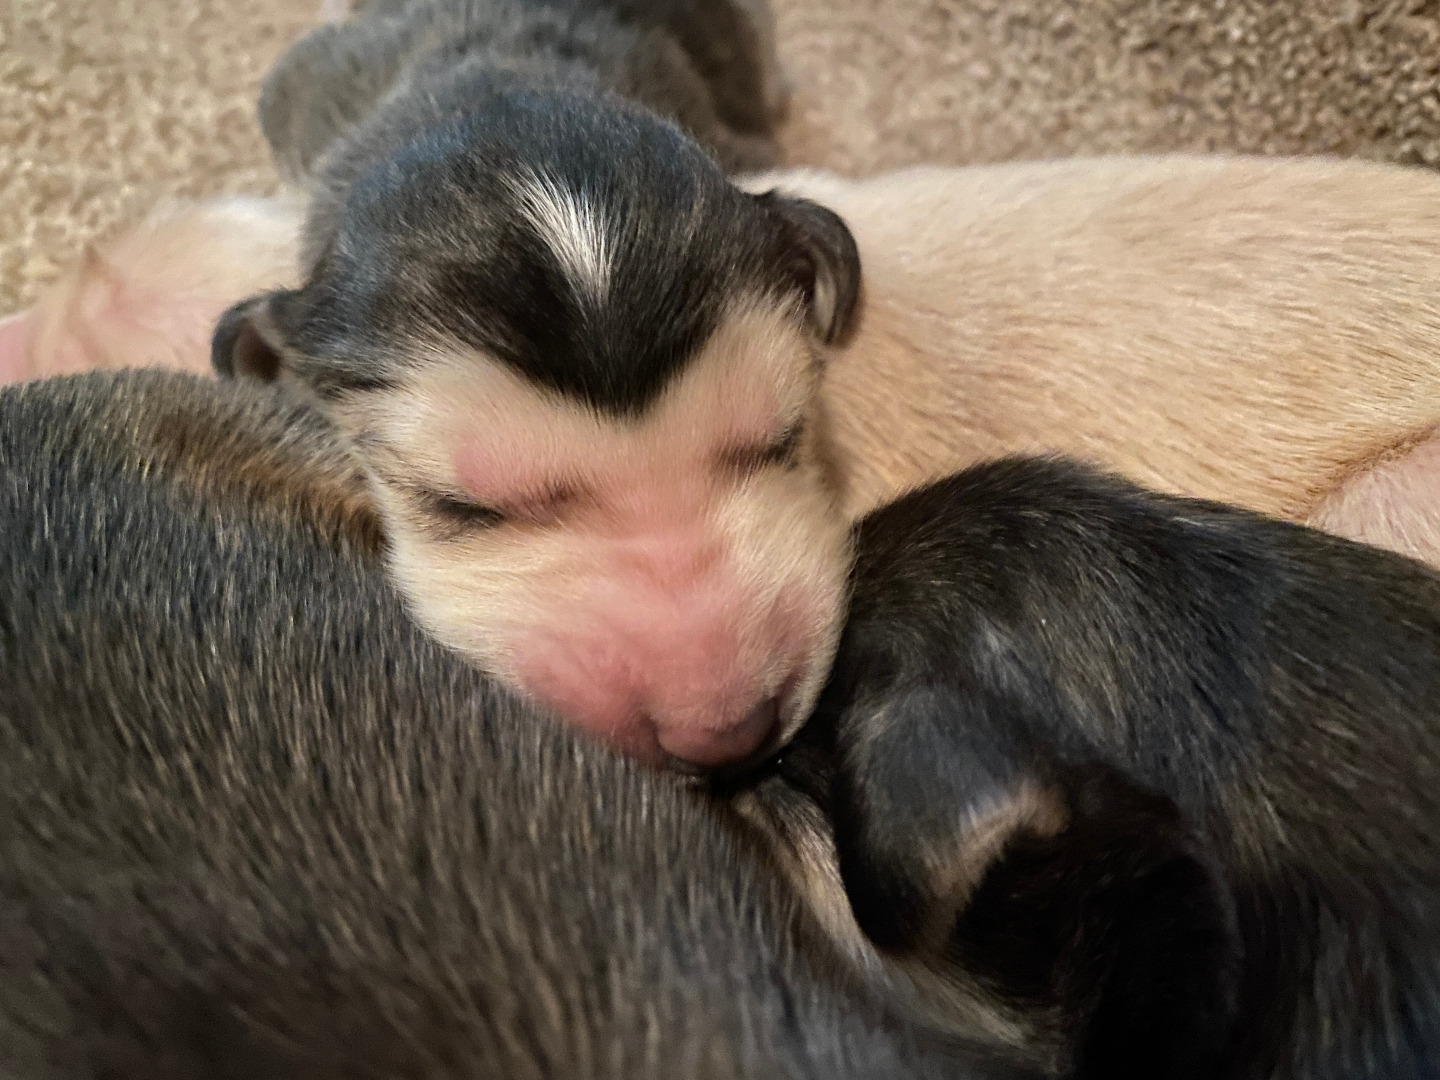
(1259, 331)
(1187, 322)
(1028, 621)
(578, 364)
(151, 296)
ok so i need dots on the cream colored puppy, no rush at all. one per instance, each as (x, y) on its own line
(150, 297)
(1260, 331)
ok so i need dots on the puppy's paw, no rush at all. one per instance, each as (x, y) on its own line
(925, 796)
(1120, 924)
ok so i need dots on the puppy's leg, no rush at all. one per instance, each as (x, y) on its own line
(1393, 504)
(1121, 924)
(1072, 894)
(151, 297)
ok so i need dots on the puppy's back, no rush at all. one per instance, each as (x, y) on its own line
(1244, 329)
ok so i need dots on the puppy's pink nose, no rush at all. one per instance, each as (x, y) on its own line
(685, 674)
(726, 744)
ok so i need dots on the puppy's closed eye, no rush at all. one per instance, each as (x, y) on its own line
(462, 513)
(784, 452)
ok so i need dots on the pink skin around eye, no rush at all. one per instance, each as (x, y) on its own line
(524, 454)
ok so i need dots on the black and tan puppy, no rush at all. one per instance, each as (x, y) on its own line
(576, 362)
(1075, 719)
(254, 824)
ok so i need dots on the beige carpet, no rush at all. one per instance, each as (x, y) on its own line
(108, 105)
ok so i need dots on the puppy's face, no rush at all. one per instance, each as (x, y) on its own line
(584, 388)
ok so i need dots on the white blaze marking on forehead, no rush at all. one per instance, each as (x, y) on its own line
(574, 230)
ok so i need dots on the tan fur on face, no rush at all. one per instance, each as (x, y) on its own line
(469, 427)
(1239, 329)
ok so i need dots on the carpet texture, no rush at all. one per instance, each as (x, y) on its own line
(110, 105)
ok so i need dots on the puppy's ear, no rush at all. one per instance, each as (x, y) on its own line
(1068, 890)
(327, 83)
(820, 256)
(247, 343)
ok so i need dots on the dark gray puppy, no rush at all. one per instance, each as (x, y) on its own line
(254, 824)
(579, 365)
(709, 65)
(1164, 766)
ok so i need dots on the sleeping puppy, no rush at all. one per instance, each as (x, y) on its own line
(1258, 331)
(150, 297)
(1053, 680)
(587, 505)
(574, 359)
(217, 863)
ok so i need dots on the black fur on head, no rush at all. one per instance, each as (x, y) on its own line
(586, 244)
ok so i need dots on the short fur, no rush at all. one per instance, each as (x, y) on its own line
(254, 824)
(438, 240)
(1263, 332)
(665, 549)
(1259, 331)
(151, 296)
(1029, 621)
(709, 65)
